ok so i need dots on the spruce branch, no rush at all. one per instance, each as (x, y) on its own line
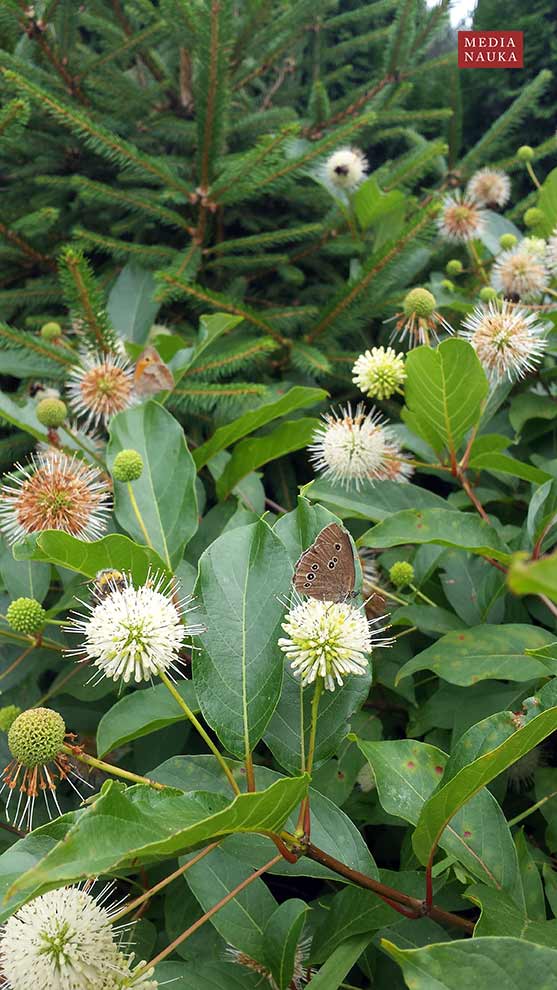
(150, 254)
(11, 237)
(85, 299)
(211, 91)
(17, 339)
(132, 42)
(13, 117)
(137, 201)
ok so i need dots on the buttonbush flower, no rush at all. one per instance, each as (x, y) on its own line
(461, 218)
(419, 319)
(301, 975)
(133, 634)
(54, 491)
(379, 372)
(507, 339)
(329, 640)
(25, 615)
(401, 573)
(345, 169)
(520, 272)
(489, 187)
(99, 387)
(351, 448)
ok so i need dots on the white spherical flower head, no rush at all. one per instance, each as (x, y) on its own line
(327, 639)
(133, 634)
(534, 245)
(489, 187)
(351, 448)
(379, 372)
(345, 169)
(62, 940)
(100, 387)
(461, 218)
(507, 339)
(520, 272)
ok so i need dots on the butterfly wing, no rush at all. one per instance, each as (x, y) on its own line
(326, 570)
(151, 374)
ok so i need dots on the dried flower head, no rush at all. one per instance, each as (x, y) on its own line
(36, 740)
(351, 448)
(133, 634)
(419, 319)
(520, 272)
(329, 640)
(379, 372)
(100, 387)
(345, 169)
(461, 218)
(54, 491)
(489, 187)
(508, 340)
(301, 975)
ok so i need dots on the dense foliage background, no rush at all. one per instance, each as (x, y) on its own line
(164, 184)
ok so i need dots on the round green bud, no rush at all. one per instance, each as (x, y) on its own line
(8, 715)
(420, 302)
(447, 285)
(453, 267)
(401, 573)
(525, 153)
(508, 241)
(25, 615)
(533, 216)
(51, 331)
(36, 737)
(128, 466)
(52, 412)
(487, 293)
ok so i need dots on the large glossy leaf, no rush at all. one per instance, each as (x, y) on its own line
(480, 963)
(374, 501)
(21, 577)
(165, 492)
(503, 464)
(253, 452)
(142, 712)
(123, 828)
(485, 652)
(89, 558)
(131, 307)
(211, 327)
(500, 915)
(465, 776)
(536, 577)
(408, 772)
(339, 963)
(444, 393)
(444, 526)
(297, 397)
(220, 975)
(281, 937)
(238, 671)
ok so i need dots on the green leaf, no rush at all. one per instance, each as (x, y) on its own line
(238, 672)
(125, 828)
(371, 203)
(500, 915)
(211, 327)
(443, 526)
(484, 652)
(530, 405)
(339, 964)
(536, 577)
(253, 452)
(140, 713)
(296, 398)
(22, 578)
(547, 203)
(89, 558)
(467, 781)
(210, 976)
(374, 501)
(497, 463)
(444, 393)
(131, 307)
(281, 937)
(165, 492)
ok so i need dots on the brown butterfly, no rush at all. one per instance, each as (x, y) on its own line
(326, 570)
(151, 374)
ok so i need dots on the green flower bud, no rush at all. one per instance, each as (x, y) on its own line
(128, 466)
(401, 573)
(52, 412)
(508, 241)
(487, 293)
(51, 331)
(36, 737)
(533, 217)
(525, 153)
(25, 615)
(447, 285)
(8, 715)
(420, 302)
(454, 267)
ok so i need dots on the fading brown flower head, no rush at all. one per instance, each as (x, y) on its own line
(461, 218)
(301, 975)
(101, 387)
(54, 491)
(489, 187)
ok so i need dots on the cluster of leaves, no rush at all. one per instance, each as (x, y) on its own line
(434, 778)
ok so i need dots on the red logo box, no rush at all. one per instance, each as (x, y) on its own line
(490, 49)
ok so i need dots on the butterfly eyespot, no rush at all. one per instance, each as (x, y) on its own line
(331, 565)
(315, 567)
(338, 547)
(310, 577)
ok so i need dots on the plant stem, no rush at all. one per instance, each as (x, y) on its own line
(477, 261)
(92, 761)
(48, 644)
(148, 894)
(139, 517)
(386, 594)
(17, 661)
(533, 175)
(82, 446)
(421, 595)
(204, 735)
(529, 811)
(405, 632)
(208, 914)
(318, 691)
